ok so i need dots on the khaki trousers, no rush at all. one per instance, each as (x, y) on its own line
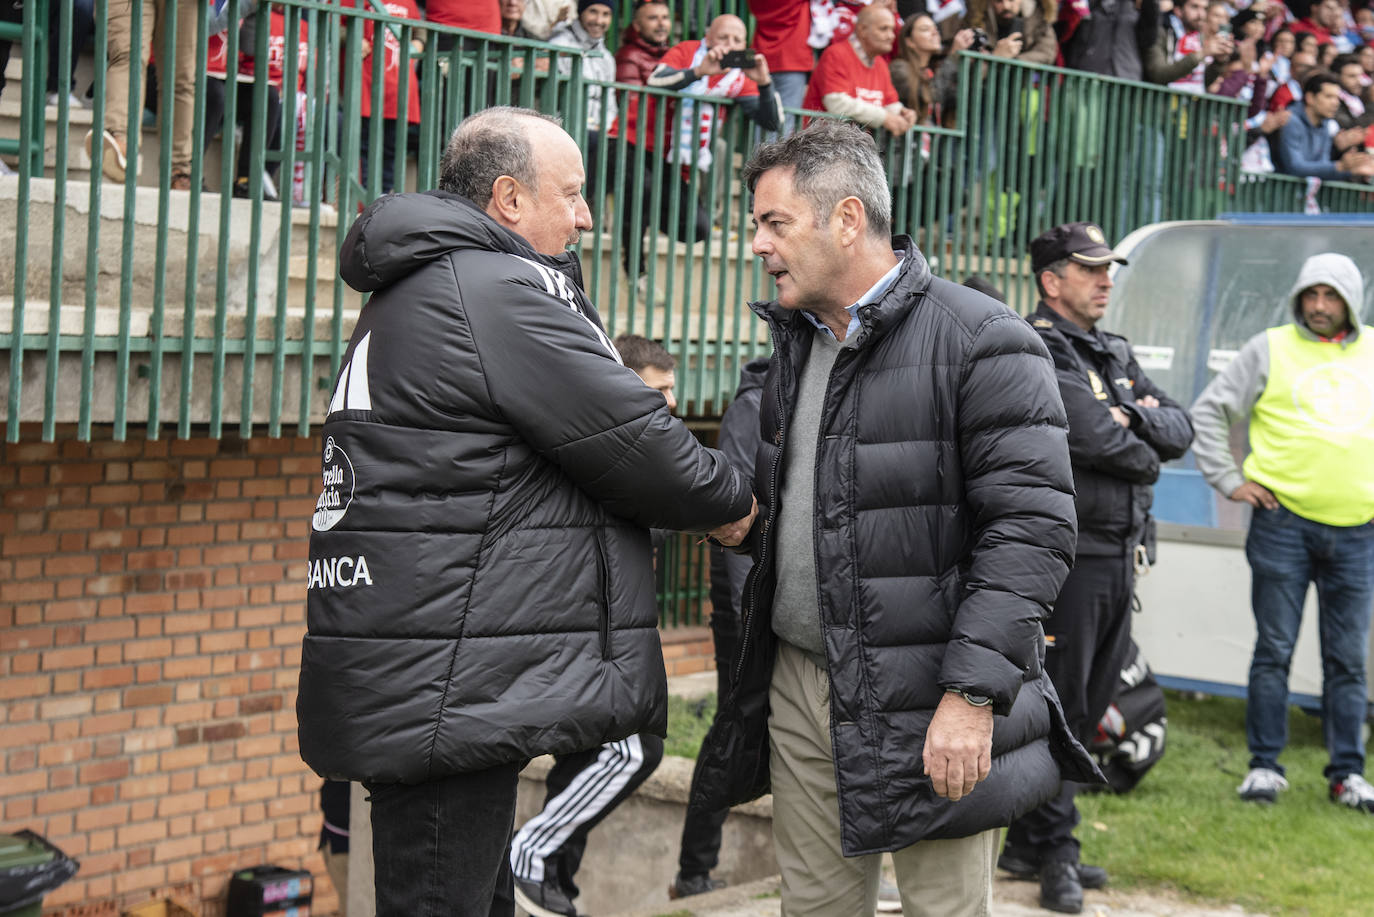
(946, 878)
(179, 79)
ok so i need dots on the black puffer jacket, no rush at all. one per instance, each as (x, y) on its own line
(481, 588)
(944, 528)
(1113, 466)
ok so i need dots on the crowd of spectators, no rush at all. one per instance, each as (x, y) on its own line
(1304, 67)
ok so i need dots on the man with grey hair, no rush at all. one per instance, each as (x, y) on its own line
(480, 583)
(916, 521)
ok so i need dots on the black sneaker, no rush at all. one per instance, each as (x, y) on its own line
(1060, 889)
(543, 899)
(686, 886)
(1093, 877)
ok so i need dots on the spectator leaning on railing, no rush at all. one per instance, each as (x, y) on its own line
(587, 33)
(392, 117)
(852, 78)
(1305, 143)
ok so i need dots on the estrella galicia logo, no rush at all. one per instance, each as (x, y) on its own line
(337, 493)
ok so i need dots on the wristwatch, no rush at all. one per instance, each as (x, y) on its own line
(977, 700)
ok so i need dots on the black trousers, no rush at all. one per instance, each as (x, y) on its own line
(582, 789)
(440, 848)
(693, 222)
(243, 113)
(700, 850)
(1091, 631)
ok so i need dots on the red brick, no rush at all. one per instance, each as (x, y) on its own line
(150, 695)
(62, 801)
(102, 631)
(34, 686)
(114, 494)
(73, 610)
(24, 734)
(69, 565)
(102, 771)
(221, 731)
(77, 473)
(16, 545)
(70, 658)
(108, 677)
(95, 817)
(59, 519)
(27, 638)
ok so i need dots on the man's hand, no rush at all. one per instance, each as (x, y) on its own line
(1350, 138)
(735, 532)
(958, 752)
(759, 72)
(1218, 46)
(1257, 495)
(1120, 416)
(895, 122)
(962, 40)
(1357, 162)
(710, 63)
(1274, 121)
(1009, 46)
(1147, 401)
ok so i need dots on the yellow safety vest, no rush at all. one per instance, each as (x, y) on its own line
(1312, 429)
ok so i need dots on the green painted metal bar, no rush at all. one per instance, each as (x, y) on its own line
(167, 52)
(132, 145)
(101, 41)
(286, 191)
(188, 315)
(257, 163)
(226, 186)
(64, 66)
(29, 43)
(314, 181)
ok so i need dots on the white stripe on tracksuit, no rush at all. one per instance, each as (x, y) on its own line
(586, 797)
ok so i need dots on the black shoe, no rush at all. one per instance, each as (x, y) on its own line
(686, 886)
(543, 899)
(1060, 889)
(1093, 877)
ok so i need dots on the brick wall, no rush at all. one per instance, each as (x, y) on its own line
(152, 599)
(151, 614)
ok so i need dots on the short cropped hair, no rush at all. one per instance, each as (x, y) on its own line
(639, 352)
(1313, 84)
(831, 160)
(1057, 268)
(486, 145)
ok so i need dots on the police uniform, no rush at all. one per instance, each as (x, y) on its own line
(1088, 636)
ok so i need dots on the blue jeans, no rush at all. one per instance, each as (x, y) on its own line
(1286, 552)
(791, 86)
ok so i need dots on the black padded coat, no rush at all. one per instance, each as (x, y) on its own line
(944, 528)
(492, 466)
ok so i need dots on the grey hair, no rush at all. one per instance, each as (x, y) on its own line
(831, 160)
(486, 145)
(1057, 268)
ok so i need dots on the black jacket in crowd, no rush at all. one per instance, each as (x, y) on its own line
(481, 589)
(1113, 467)
(944, 528)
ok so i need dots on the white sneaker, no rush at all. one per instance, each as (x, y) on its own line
(1262, 785)
(72, 100)
(1354, 792)
(642, 288)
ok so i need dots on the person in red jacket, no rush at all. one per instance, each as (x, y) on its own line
(1322, 20)
(781, 28)
(477, 15)
(391, 89)
(852, 79)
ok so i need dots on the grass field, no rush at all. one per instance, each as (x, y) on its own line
(1184, 828)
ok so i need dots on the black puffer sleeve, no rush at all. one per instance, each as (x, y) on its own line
(1019, 487)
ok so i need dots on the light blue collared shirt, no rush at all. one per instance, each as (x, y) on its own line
(874, 293)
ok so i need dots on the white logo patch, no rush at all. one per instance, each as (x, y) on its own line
(352, 391)
(336, 492)
(1332, 397)
(328, 572)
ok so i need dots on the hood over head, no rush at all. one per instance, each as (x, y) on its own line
(400, 233)
(1337, 271)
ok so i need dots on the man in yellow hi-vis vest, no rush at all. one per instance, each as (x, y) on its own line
(1307, 390)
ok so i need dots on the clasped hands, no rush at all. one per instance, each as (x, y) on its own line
(733, 533)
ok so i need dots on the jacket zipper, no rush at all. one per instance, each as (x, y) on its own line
(604, 577)
(745, 629)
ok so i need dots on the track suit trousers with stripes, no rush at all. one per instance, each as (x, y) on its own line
(583, 788)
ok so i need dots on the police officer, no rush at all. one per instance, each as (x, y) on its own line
(1121, 427)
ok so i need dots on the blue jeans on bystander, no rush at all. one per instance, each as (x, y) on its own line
(1286, 552)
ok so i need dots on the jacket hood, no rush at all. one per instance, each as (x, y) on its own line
(1337, 271)
(752, 374)
(400, 233)
(877, 317)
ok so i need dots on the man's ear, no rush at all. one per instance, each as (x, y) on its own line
(1049, 280)
(852, 220)
(505, 204)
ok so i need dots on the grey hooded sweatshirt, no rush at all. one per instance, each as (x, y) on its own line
(1228, 398)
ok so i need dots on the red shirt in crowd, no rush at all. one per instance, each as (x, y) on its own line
(391, 72)
(780, 33)
(276, 53)
(634, 61)
(477, 15)
(732, 84)
(1309, 25)
(841, 71)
